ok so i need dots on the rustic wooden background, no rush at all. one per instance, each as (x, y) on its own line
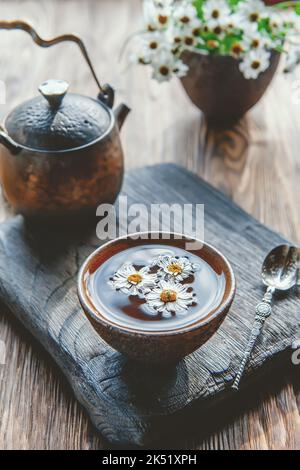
(257, 163)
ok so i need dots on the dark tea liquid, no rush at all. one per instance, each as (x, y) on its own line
(131, 311)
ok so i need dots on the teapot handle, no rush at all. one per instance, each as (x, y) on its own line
(106, 92)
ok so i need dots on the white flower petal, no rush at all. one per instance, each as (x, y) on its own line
(121, 280)
(184, 297)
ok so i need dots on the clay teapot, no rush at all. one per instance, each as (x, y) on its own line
(61, 152)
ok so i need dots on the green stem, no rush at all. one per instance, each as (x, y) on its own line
(287, 4)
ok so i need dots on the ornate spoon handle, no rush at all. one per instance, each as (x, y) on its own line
(263, 311)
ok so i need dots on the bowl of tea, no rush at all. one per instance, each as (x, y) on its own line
(154, 300)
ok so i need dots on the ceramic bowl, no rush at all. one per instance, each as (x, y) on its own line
(156, 347)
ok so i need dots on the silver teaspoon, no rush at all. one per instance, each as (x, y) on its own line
(279, 271)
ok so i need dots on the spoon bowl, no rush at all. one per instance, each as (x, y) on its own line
(279, 269)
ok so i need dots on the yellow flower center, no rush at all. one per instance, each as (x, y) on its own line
(189, 41)
(236, 48)
(162, 19)
(217, 30)
(185, 19)
(255, 64)
(174, 268)
(212, 44)
(164, 70)
(215, 14)
(168, 295)
(254, 17)
(134, 278)
(153, 45)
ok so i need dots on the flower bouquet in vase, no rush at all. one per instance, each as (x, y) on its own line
(225, 52)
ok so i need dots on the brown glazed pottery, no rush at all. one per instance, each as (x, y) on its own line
(148, 346)
(217, 87)
(61, 153)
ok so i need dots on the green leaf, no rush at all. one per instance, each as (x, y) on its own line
(293, 4)
(198, 5)
(263, 25)
(233, 3)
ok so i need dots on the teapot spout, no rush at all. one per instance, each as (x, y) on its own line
(121, 113)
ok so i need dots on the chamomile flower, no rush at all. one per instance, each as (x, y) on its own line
(175, 268)
(237, 49)
(254, 39)
(140, 56)
(157, 14)
(244, 29)
(290, 20)
(132, 281)
(276, 23)
(190, 40)
(175, 36)
(252, 11)
(182, 36)
(216, 13)
(148, 45)
(255, 62)
(154, 41)
(293, 59)
(185, 14)
(166, 64)
(233, 23)
(170, 297)
(194, 27)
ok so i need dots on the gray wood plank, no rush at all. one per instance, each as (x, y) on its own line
(128, 404)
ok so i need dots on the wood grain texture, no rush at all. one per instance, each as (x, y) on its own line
(131, 404)
(256, 164)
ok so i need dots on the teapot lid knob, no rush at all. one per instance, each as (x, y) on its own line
(54, 91)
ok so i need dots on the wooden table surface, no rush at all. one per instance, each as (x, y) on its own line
(256, 163)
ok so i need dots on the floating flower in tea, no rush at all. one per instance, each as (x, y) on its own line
(132, 281)
(130, 288)
(178, 268)
(159, 283)
(170, 297)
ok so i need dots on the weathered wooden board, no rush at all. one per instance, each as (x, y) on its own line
(128, 404)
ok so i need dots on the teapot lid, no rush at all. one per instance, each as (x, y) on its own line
(58, 120)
